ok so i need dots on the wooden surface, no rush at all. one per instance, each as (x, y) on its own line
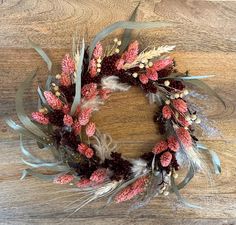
(205, 36)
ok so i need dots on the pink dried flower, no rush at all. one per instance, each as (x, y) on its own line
(68, 120)
(99, 175)
(120, 64)
(165, 159)
(83, 183)
(65, 80)
(40, 118)
(151, 73)
(77, 128)
(132, 53)
(90, 129)
(64, 179)
(173, 143)
(89, 153)
(68, 65)
(132, 190)
(183, 121)
(161, 64)
(89, 91)
(166, 112)
(104, 93)
(66, 109)
(82, 148)
(160, 147)
(98, 50)
(84, 116)
(180, 105)
(143, 79)
(52, 100)
(184, 137)
(93, 68)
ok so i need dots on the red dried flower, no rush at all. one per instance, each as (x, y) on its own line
(151, 73)
(130, 55)
(84, 116)
(180, 105)
(93, 68)
(90, 129)
(120, 64)
(165, 159)
(64, 179)
(89, 91)
(166, 112)
(52, 100)
(160, 147)
(40, 118)
(132, 190)
(173, 143)
(104, 93)
(183, 121)
(99, 175)
(162, 64)
(68, 65)
(184, 137)
(77, 128)
(65, 80)
(143, 79)
(83, 183)
(98, 50)
(89, 153)
(68, 120)
(66, 109)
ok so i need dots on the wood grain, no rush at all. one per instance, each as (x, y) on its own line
(204, 34)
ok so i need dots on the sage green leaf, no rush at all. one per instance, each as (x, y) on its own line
(187, 178)
(186, 77)
(20, 109)
(206, 88)
(41, 176)
(214, 158)
(48, 83)
(123, 25)
(76, 101)
(23, 131)
(125, 40)
(42, 54)
(180, 198)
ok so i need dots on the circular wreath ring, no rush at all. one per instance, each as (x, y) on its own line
(86, 158)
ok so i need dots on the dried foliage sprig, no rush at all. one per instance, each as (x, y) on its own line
(88, 159)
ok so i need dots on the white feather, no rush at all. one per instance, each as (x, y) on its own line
(139, 167)
(112, 83)
(93, 103)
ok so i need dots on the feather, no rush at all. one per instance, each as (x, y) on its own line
(93, 103)
(139, 167)
(112, 83)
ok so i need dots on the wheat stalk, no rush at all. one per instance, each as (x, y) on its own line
(147, 55)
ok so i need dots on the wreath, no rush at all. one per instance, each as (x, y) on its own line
(88, 159)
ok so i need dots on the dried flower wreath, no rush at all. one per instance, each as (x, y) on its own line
(86, 158)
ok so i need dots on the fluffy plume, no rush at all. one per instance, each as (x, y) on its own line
(64, 179)
(139, 167)
(52, 100)
(112, 83)
(147, 55)
(92, 103)
(40, 118)
(104, 145)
